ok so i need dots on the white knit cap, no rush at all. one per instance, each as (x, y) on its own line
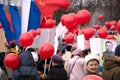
(35, 56)
(91, 56)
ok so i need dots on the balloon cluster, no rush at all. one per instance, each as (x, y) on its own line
(27, 38)
(12, 60)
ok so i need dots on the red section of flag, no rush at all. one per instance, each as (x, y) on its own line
(9, 20)
(47, 7)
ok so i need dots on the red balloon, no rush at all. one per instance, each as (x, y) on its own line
(62, 19)
(72, 28)
(50, 23)
(97, 27)
(33, 32)
(26, 39)
(83, 17)
(0, 25)
(75, 31)
(46, 51)
(68, 20)
(110, 37)
(69, 38)
(38, 31)
(88, 33)
(102, 33)
(118, 26)
(11, 60)
(107, 24)
(113, 23)
(100, 17)
(113, 27)
(92, 77)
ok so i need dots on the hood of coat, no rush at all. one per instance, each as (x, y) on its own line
(110, 62)
(26, 59)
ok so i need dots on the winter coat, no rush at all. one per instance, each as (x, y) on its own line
(111, 69)
(26, 65)
(3, 76)
(66, 58)
(57, 73)
(77, 71)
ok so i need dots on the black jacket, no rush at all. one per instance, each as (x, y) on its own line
(57, 73)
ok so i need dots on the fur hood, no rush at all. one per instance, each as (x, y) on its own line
(110, 62)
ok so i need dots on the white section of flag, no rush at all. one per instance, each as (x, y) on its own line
(25, 14)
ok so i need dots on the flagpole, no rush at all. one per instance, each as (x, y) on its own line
(48, 31)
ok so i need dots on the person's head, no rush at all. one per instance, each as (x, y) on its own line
(34, 54)
(57, 60)
(76, 52)
(117, 52)
(92, 63)
(68, 47)
(20, 48)
(12, 45)
(30, 49)
(108, 46)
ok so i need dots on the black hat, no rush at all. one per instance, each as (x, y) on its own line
(57, 59)
(117, 51)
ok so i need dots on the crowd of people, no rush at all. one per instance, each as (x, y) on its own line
(69, 63)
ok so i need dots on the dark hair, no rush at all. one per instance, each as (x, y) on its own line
(31, 49)
(12, 45)
(21, 47)
(108, 42)
(68, 47)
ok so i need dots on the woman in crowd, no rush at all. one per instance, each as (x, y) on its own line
(76, 67)
(92, 64)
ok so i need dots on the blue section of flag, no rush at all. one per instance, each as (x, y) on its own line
(16, 22)
(5, 24)
(34, 17)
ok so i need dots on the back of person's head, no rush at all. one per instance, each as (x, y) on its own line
(57, 59)
(76, 52)
(30, 49)
(68, 47)
(12, 45)
(117, 50)
(20, 48)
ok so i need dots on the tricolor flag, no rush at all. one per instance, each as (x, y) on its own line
(30, 15)
(5, 24)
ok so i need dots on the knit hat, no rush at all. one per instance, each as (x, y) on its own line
(35, 56)
(76, 51)
(57, 59)
(117, 51)
(91, 56)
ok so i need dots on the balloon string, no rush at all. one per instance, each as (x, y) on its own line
(45, 66)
